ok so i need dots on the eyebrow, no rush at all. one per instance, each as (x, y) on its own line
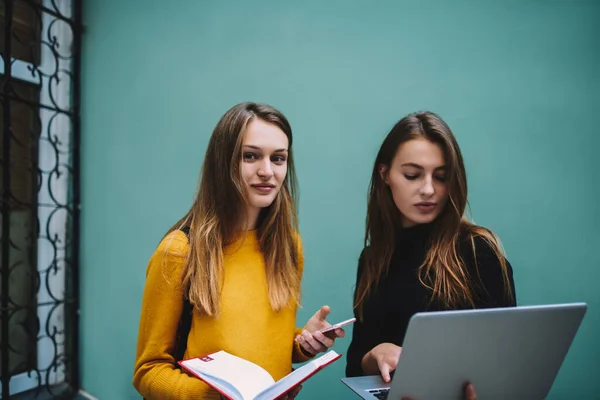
(250, 146)
(443, 167)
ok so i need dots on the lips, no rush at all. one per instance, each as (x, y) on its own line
(426, 206)
(263, 187)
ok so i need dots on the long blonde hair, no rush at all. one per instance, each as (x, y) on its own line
(220, 205)
(443, 270)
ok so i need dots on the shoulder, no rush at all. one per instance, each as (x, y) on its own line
(482, 253)
(485, 258)
(297, 240)
(175, 243)
(364, 252)
(480, 242)
(362, 259)
(169, 257)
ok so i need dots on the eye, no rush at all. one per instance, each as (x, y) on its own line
(411, 177)
(278, 159)
(250, 157)
(440, 178)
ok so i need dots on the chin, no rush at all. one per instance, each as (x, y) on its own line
(420, 219)
(261, 203)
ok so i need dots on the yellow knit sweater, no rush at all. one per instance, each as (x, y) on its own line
(247, 326)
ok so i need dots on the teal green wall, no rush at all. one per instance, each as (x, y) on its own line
(516, 80)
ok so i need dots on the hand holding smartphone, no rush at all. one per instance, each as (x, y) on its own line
(331, 328)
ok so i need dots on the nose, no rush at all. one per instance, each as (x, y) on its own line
(265, 171)
(427, 189)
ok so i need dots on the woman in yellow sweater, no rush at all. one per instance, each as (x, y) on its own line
(239, 265)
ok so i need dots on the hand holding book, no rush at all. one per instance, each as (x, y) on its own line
(239, 379)
(291, 394)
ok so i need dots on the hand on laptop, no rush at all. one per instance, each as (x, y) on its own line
(469, 393)
(317, 342)
(382, 359)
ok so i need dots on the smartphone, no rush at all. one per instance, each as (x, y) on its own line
(338, 325)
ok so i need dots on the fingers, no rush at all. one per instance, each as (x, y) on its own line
(291, 394)
(294, 392)
(317, 341)
(331, 334)
(335, 333)
(384, 368)
(314, 343)
(322, 340)
(339, 332)
(470, 392)
(306, 345)
(322, 314)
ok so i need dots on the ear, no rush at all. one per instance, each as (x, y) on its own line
(383, 173)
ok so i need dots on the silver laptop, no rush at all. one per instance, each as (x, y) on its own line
(507, 353)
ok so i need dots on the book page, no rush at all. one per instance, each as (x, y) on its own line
(248, 378)
(288, 381)
(222, 386)
(296, 376)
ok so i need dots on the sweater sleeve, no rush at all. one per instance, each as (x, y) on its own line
(155, 373)
(365, 332)
(491, 278)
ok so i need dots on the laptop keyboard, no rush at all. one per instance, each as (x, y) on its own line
(380, 393)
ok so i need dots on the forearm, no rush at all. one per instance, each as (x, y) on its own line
(155, 373)
(165, 382)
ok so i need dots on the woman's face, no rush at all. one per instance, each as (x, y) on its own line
(417, 181)
(264, 164)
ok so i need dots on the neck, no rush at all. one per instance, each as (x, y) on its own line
(414, 233)
(251, 219)
(405, 223)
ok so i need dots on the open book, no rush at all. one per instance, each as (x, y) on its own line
(239, 379)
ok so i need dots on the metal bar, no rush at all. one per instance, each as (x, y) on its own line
(37, 105)
(6, 134)
(66, 207)
(78, 31)
(35, 306)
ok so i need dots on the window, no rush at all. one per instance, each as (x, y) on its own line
(39, 44)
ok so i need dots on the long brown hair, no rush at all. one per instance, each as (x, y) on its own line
(443, 269)
(220, 205)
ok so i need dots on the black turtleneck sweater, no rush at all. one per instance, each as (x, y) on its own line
(400, 295)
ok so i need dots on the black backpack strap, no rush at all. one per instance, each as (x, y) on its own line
(186, 230)
(185, 322)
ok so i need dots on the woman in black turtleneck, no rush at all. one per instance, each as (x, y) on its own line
(421, 253)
